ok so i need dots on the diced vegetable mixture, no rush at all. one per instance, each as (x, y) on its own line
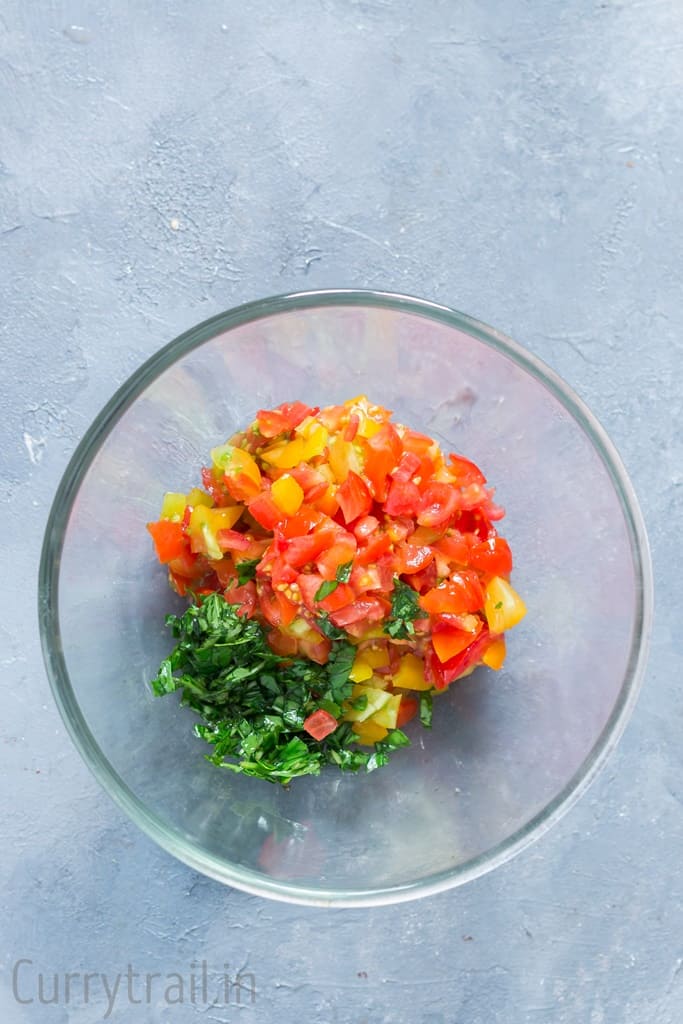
(341, 570)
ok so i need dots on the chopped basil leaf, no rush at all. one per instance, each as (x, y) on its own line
(246, 570)
(426, 709)
(404, 610)
(325, 589)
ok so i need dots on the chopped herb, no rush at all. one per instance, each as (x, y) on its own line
(325, 589)
(426, 709)
(343, 573)
(499, 604)
(246, 570)
(404, 610)
(253, 703)
(328, 628)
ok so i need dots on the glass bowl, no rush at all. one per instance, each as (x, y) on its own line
(509, 751)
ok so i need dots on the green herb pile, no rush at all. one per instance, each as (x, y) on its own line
(253, 702)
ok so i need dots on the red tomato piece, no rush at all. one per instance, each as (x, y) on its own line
(407, 710)
(465, 471)
(461, 593)
(412, 558)
(232, 540)
(408, 466)
(282, 419)
(342, 595)
(438, 505)
(365, 609)
(276, 609)
(365, 527)
(441, 674)
(454, 547)
(342, 551)
(377, 545)
(265, 511)
(448, 640)
(282, 643)
(403, 498)
(492, 556)
(426, 579)
(354, 497)
(305, 520)
(309, 584)
(320, 724)
(382, 453)
(318, 649)
(244, 596)
(311, 482)
(352, 428)
(169, 540)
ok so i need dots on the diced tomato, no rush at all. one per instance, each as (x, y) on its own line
(461, 593)
(377, 545)
(265, 511)
(276, 609)
(438, 504)
(492, 556)
(331, 416)
(407, 468)
(352, 427)
(403, 499)
(309, 584)
(282, 643)
(443, 673)
(382, 453)
(366, 609)
(232, 540)
(406, 711)
(320, 724)
(465, 471)
(454, 547)
(342, 551)
(305, 520)
(241, 486)
(411, 558)
(415, 442)
(302, 550)
(354, 497)
(312, 482)
(425, 579)
(244, 596)
(448, 640)
(365, 526)
(315, 647)
(342, 595)
(282, 419)
(169, 540)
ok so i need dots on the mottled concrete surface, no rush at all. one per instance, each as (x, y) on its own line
(518, 159)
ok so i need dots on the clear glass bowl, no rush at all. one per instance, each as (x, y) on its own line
(509, 751)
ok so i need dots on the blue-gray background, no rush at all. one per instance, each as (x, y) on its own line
(518, 159)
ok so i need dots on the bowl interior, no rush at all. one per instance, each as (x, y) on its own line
(505, 747)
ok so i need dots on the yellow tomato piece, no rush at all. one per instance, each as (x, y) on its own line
(375, 699)
(360, 670)
(494, 656)
(387, 715)
(206, 522)
(198, 497)
(410, 675)
(315, 443)
(368, 427)
(376, 657)
(369, 733)
(339, 454)
(173, 506)
(503, 606)
(287, 494)
(285, 456)
(232, 461)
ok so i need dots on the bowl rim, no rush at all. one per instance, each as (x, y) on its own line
(171, 838)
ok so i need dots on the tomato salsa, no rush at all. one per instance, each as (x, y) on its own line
(336, 523)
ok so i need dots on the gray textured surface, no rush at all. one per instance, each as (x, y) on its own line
(519, 160)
